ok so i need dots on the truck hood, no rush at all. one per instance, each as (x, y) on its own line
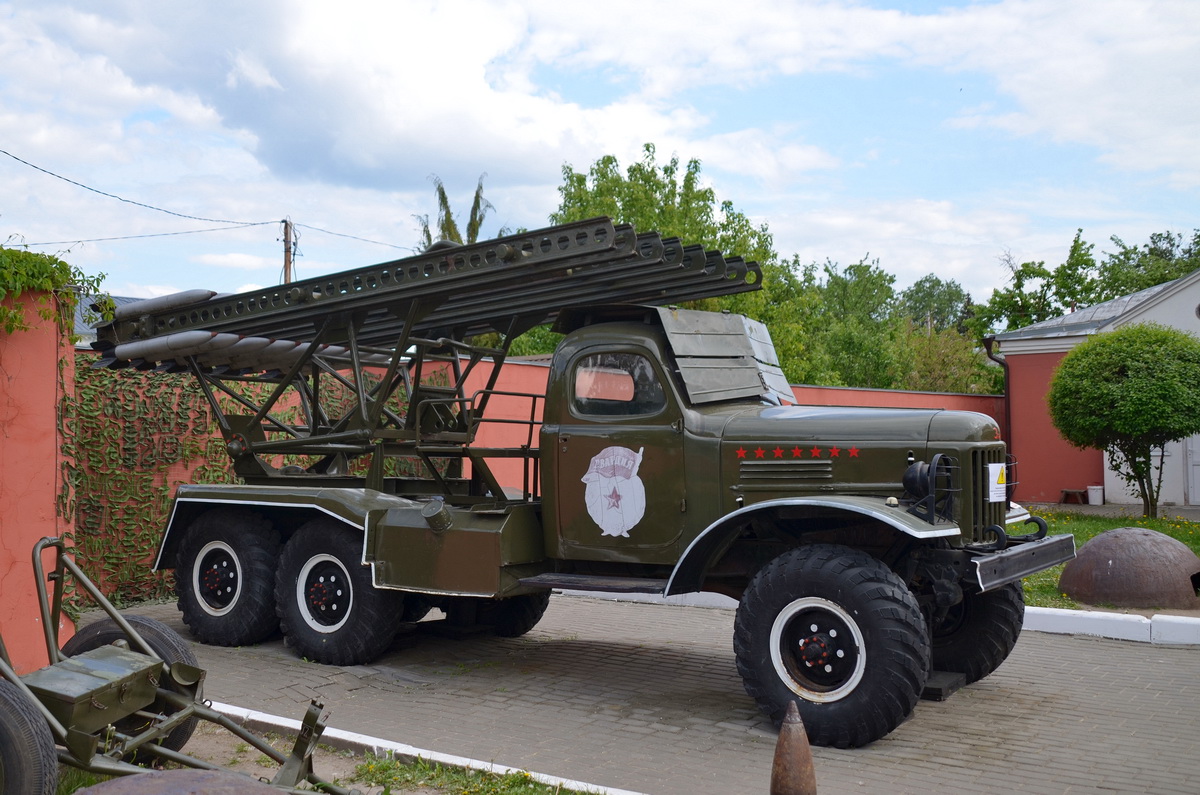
(846, 424)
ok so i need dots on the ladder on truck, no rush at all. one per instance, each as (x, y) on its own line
(329, 378)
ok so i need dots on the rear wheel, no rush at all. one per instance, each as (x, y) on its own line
(28, 761)
(329, 610)
(225, 578)
(514, 616)
(838, 633)
(166, 643)
(979, 632)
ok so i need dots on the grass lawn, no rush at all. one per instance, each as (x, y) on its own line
(1041, 590)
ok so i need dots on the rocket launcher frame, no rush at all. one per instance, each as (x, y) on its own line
(399, 320)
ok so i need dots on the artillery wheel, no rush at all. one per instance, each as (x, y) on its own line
(167, 644)
(837, 632)
(225, 577)
(28, 761)
(979, 632)
(514, 616)
(328, 608)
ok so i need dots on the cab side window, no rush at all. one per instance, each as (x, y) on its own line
(617, 384)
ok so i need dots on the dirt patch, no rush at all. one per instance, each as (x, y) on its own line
(214, 744)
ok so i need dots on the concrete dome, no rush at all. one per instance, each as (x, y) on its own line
(1133, 567)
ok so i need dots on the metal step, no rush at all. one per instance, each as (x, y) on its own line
(594, 582)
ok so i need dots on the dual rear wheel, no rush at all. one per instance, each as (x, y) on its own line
(237, 584)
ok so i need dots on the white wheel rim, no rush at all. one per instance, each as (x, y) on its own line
(222, 578)
(854, 644)
(327, 573)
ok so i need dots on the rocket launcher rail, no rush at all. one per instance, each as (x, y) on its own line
(373, 362)
(507, 285)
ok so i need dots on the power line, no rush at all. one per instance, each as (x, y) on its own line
(237, 225)
(352, 237)
(131, 201)
(233, 224)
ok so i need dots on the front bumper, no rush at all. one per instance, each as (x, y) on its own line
(1022, 559)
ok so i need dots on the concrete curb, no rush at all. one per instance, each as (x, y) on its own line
(1162, 629)
(362, 744)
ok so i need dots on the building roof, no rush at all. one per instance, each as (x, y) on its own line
(84, 329)
(1092, 319)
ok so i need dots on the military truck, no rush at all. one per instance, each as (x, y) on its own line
(867, 547)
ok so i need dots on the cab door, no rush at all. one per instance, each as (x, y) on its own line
(618, 459)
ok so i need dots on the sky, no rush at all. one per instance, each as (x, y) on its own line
(934, 137)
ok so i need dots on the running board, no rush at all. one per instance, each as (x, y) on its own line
(593, 582)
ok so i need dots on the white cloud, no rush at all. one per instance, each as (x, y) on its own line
(247, 69)
(335, 114)
(237, 261)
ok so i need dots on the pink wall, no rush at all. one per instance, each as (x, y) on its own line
(30, 458)
(991, 405)
(1047, 463)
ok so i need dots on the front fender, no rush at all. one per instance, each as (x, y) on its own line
(708, 547)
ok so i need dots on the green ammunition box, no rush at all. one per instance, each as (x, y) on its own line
(91, 690)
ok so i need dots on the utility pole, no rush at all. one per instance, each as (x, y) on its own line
(287, 250)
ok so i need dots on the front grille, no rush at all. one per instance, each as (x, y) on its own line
(983, 512)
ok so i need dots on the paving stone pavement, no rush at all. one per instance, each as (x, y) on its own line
(645, 697)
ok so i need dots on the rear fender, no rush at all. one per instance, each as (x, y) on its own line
(286, 507)
(708, 547)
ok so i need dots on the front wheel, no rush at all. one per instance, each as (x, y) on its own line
(838, 633)
(979, 632)
(329, 610)
(167, 644)
(28, 761)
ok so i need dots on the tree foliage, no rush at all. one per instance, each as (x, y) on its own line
(57, 282)
(447, 226)
(832, 325)
(1037, 292)
(1129, 393)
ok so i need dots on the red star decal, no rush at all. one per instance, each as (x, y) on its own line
(797, 452)
(816, 452)
(614, 499)
(741, 452)
(854, 452)
(759, 452)
(834, 451)
(778, 452)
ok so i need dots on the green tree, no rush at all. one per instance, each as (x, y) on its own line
(934, 303)
(1130, 392)
(855, 324)
(1027, 300)
(1165, 257)
(670, 198)
(942, 361)
(447, 227)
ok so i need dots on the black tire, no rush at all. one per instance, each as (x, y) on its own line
(979, 632)
(416, 607)
(225, 578)
(834, 630)
(166, 643)
(514, 616)
(328, 609)
(28, 761)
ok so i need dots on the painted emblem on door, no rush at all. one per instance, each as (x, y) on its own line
(615, 496)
